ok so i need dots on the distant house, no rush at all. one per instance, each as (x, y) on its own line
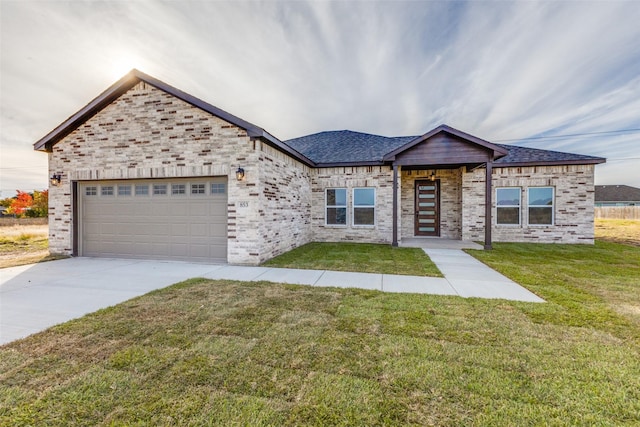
(617, 195)
(148, 171)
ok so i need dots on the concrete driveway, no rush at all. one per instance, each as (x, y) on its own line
(37, 296)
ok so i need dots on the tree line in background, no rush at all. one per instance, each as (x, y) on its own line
(27, 205)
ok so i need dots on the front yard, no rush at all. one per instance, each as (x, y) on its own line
(359, 257)
(232, 353)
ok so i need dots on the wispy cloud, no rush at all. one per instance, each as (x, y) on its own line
(500, 70)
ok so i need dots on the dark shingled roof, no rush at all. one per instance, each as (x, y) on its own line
(617, 193)
(524, 155)
(345, 146)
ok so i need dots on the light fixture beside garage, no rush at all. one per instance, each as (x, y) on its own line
(433, 176)
(240, 174)
(56, 179)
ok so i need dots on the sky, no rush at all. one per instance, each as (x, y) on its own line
(561, 76)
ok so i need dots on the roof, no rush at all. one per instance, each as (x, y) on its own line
(617, 193)
(322, 149)
(523, 156)
(129, 81)
(346, 146)
(349, 147)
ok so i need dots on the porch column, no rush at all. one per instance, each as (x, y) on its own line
(395, 206)
(487, 205)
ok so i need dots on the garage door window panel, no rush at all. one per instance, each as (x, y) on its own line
(142, 190)
(106, 190)
(159, 189)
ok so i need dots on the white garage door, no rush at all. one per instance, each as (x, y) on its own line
(175, 219)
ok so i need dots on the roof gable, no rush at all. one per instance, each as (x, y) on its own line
(129, 81)
(447, 149)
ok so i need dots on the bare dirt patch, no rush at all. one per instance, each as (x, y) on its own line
(24, 244)
(626, 231)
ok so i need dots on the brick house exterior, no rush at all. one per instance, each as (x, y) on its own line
(144, 168)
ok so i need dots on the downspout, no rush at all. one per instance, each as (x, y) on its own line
(395, 206)
(487, 204)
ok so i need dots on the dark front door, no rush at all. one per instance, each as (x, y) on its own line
(427, 208)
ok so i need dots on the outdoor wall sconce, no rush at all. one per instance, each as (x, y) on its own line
(433, 176)
(56, 179)
(240, 174)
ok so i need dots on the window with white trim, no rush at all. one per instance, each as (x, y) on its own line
(541, 205)
(364, 206)
(91, 191)
(508, 206)
(336, 206)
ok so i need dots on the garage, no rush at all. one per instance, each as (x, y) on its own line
(173, 219)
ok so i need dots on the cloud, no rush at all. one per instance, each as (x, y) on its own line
(499, 70)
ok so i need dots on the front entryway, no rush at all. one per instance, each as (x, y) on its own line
(427, 208)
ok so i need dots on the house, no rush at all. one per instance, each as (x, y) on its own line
(148, 171)
(617, 195)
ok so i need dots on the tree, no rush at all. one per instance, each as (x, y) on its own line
(20, 204)
(40, 206)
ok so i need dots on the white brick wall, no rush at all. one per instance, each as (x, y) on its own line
(574, 212)
(379, 177)
(147, 133)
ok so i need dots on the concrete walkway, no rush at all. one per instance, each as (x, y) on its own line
(37, 296)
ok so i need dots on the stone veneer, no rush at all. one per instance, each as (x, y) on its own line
(148, 133)
(573, 209)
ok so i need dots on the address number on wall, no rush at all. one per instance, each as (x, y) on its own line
(243, 204)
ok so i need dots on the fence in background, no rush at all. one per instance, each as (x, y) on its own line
(618, 212)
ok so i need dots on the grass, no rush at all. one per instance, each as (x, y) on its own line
(587, 285)
(24, 244)
(230, 353)
(625, 231)
(358, 257)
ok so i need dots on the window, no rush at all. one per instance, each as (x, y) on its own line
(508, 206)
(142, 190)
(178, 189)
(159, 189)
(217, 188)
(124, 190)
(197, 189)
(540, 206)
(364, 202)
(91, 191)
(336, 206)
(106, 190)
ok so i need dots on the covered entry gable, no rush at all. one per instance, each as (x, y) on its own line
(445, 145)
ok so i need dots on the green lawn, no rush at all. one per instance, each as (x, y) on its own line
(231, 353)
(359, 257)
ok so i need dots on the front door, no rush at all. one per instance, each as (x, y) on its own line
(427, 210)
